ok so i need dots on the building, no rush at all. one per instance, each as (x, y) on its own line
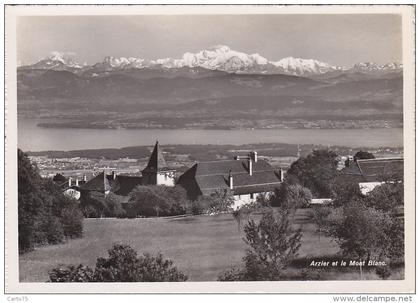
(155, 173)
(245, 177)
(369, 173)
(69, 186)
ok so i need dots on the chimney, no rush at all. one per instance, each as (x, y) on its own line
(349, 161)
(114, 175)
(230, 180)
(69, 181)
(250, 166)
(84, 178)
(77, 182)
(253, 155)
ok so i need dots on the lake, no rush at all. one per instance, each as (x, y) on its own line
(33, 138)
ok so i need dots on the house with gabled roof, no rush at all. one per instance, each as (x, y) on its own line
(245, 177)
(98, 184)
(369, 173)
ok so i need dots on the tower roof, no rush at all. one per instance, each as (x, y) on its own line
(156, 160)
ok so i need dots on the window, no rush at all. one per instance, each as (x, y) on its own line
(252, 195)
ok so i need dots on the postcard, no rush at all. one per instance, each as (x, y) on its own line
(210, 149)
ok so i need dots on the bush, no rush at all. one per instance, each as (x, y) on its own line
(71, 273)
(384, 272)
(203, 205)
(297, 196)
(93, 205)
(114, 206)
(198, 207)
(155, 201)
(291, 196)
(221, 201)
(122, 265)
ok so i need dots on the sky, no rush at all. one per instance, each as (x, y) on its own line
(336, 39)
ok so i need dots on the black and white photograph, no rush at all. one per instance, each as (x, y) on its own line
(210, 144)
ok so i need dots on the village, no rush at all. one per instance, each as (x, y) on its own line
(262, 178)
(209, 198)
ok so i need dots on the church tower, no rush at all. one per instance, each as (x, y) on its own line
(156, 171)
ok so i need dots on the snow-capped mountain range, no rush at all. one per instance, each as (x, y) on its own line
(219, 57)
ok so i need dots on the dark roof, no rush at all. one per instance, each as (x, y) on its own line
(236, 166)
(156, 160)
(375, 170)
(352, 169)
(99, 183)
(123, 185)
(207, 177)
(381, 169)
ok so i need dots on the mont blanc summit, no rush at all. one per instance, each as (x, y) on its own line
(217, 58)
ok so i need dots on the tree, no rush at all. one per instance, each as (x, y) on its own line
(363, 155)
(316, 172)
(297, 196)
(122, 265)
(387, 197)
(272, 245)
(345, 191)
(365, 232)
(44, 213)
(30, 201)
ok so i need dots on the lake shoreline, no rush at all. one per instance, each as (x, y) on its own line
(34, 138)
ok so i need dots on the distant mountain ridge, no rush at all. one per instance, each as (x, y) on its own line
(215, 58)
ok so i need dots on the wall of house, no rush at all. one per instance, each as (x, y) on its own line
(166, 179)
(367, 187)
(240, 200)
(72, 193)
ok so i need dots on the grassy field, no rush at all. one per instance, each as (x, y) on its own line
(201, 246)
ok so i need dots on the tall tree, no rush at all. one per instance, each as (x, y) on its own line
(366, 233)
(30, 201)
(316, 172)
(45, 215)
